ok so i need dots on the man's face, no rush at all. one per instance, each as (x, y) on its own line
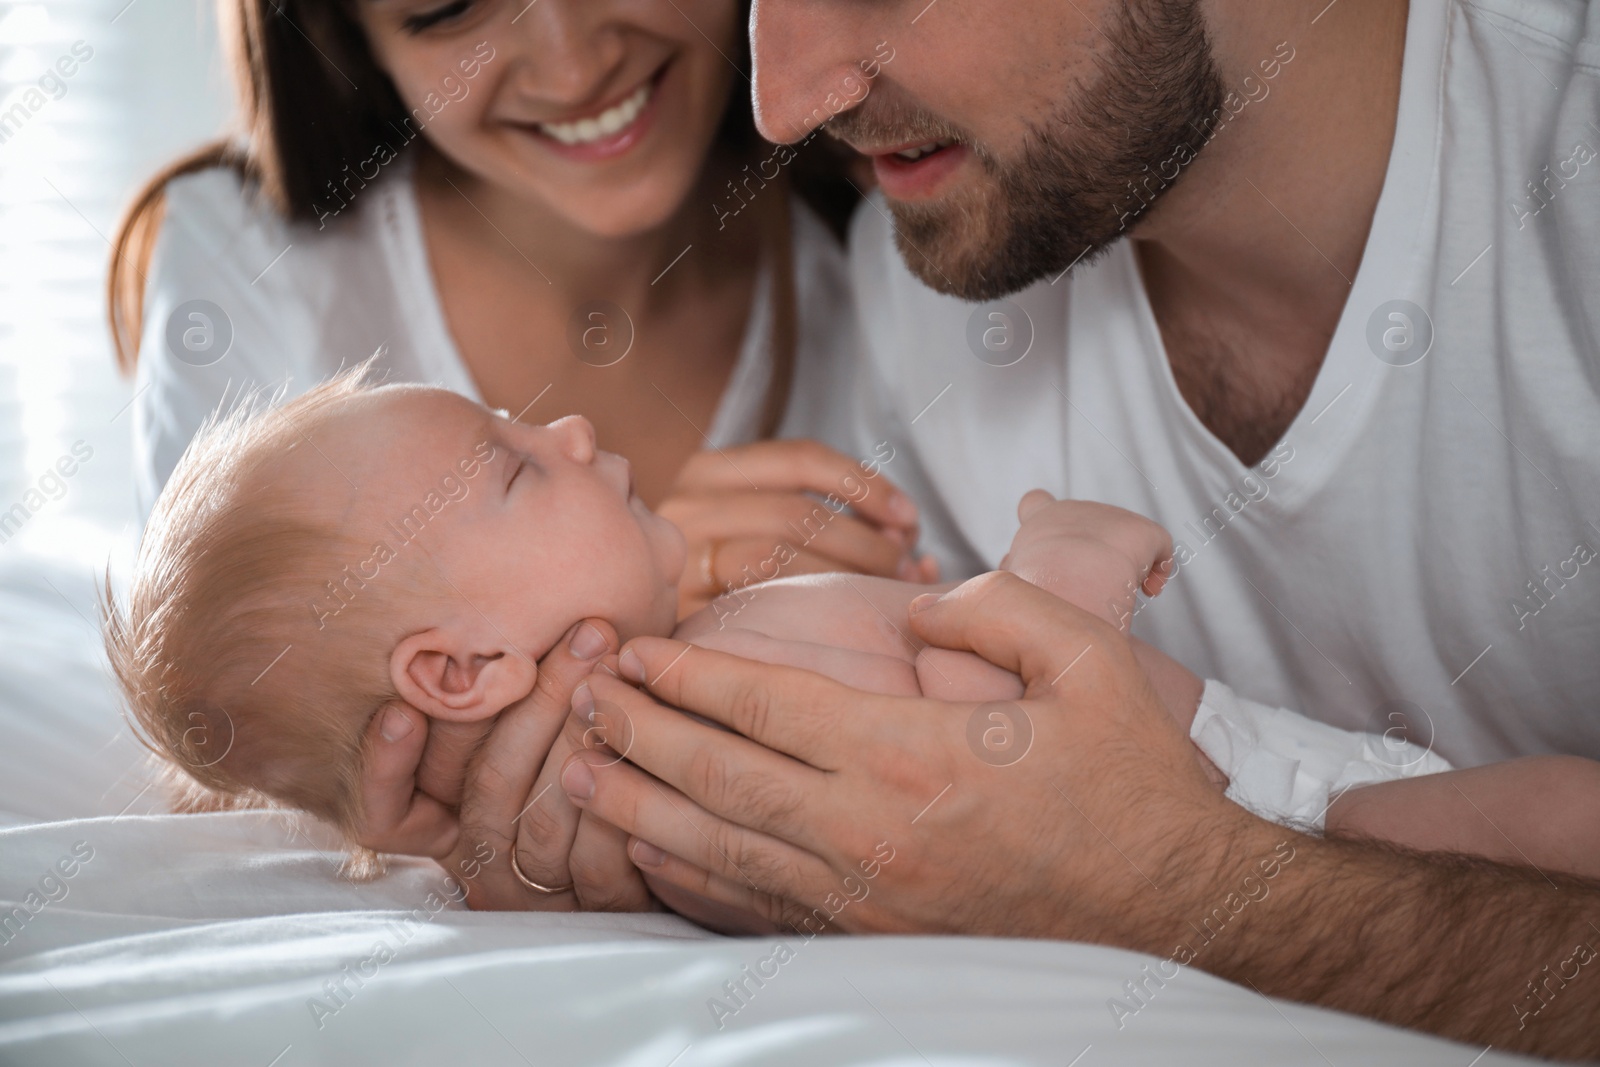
(1052, 127)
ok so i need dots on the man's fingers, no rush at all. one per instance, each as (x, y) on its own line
(395, 739)
(631, 800)
(734, 903)
(786, 709)
(500, 798)
(548, 824)
(395, 816)
(442, 773)
(726, 773)
(604, 878)
(1015, 625)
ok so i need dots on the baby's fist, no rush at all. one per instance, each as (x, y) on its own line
(1093, 555)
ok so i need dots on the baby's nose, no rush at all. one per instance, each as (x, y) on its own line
(577, 437)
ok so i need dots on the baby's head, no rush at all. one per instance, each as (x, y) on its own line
(307, 564)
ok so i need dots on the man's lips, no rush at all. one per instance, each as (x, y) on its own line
(919, 170)
(875, 151)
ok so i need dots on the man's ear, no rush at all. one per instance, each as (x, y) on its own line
(445, 675)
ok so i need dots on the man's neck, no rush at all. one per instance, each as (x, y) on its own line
(1249, 259)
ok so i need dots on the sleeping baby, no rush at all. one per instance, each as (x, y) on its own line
(309, 563)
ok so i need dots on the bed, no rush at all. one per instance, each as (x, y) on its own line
(230, 939)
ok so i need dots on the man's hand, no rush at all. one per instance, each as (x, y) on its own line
(1093, 555)
(467, 794)
(879, 813)
(893, 813)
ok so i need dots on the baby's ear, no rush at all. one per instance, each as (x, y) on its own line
(446, 675)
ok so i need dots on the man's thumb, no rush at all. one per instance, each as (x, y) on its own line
(1009, 622)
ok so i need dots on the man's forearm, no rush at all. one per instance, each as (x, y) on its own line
(1458, 946)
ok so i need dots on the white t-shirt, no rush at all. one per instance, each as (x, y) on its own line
(298, 304)
(1374, 571)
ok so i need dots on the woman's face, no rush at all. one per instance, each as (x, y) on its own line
(601, 110)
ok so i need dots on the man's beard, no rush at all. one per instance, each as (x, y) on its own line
(1084, 176)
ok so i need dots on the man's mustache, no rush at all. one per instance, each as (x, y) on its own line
(877, 125)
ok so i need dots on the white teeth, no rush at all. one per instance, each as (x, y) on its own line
(911, 155)
(608, 122)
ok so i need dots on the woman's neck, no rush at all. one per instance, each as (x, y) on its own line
(641, 271)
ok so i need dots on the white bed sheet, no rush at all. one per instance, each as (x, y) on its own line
(213, 939)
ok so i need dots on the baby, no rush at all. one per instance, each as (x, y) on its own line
(309, 563)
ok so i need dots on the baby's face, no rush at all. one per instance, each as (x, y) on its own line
(530, 527)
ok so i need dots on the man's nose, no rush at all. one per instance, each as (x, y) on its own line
(804, 52)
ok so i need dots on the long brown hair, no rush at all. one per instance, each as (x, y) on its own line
(311, 102)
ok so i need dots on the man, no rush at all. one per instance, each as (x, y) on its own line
(1311, 286)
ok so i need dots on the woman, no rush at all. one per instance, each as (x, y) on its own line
(551, 207)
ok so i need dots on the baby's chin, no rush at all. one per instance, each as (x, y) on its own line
(663, 619)
(655, 617)
(675, 548)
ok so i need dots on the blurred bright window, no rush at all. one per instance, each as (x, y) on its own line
(94, 96)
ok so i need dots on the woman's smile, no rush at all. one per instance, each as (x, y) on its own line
(607, 131)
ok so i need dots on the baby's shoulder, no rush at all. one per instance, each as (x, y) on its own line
(843, 610)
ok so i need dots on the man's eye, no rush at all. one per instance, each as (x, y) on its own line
(439, 15)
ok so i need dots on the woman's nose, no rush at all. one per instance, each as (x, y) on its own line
(563, 50)
(577, 437)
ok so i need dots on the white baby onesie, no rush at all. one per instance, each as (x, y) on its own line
(1288, 768)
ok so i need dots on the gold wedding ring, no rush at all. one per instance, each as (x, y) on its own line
(708, 569)
(530, 883)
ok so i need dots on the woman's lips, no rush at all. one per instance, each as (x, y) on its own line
(917, 179)
(584, 140)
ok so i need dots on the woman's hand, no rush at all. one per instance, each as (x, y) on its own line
(466, 795)
(748, 515)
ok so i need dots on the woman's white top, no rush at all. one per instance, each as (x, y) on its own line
(237, 298)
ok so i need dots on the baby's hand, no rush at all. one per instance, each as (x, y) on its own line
(1092, 555)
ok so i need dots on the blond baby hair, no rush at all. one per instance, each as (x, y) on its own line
(230, 676)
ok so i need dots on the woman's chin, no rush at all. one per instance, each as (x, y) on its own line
(622, 217)
(605, 201)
